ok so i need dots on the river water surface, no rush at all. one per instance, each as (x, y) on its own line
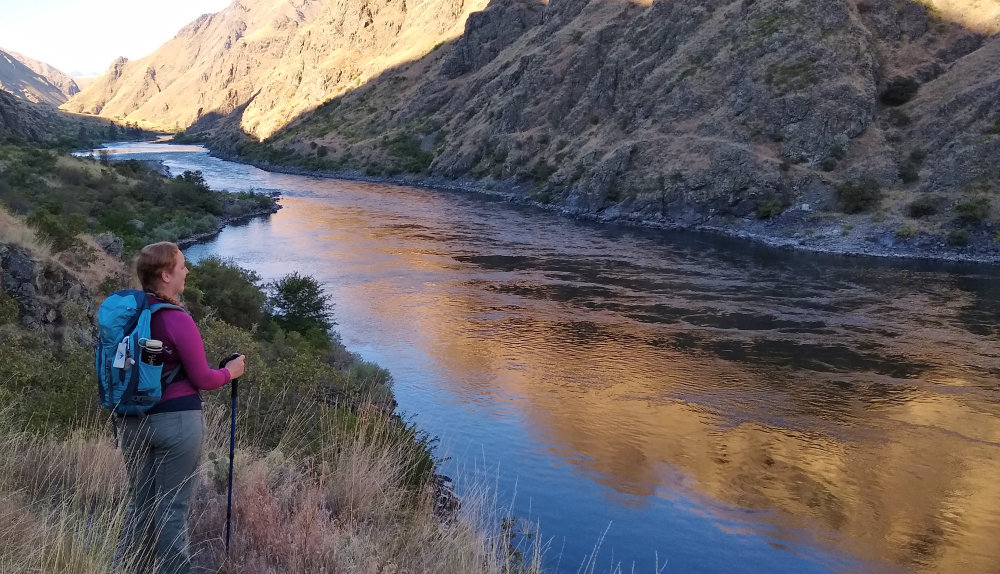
(660, 399)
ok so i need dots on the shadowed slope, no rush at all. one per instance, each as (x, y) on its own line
(664, 113)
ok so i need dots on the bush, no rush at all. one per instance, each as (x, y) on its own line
(899, 91)
(905, 232)
(923, 206)
(228, 290)
(995, 128)
(898, 118)
(51, 381)
(972, 211)
(909, 172)
(828, 164)
(9, 311)
(61, 230)
(958, 238)
(769, 208)
(406, 150)
(298, 303)
(859, 195)
(542, 171)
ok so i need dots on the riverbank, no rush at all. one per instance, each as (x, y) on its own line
(225, 221)
(800, 227)
(327, 476)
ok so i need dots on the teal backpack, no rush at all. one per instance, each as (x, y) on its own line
(128, 386)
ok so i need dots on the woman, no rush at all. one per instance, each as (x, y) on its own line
(162, 448)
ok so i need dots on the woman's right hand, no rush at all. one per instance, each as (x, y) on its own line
(236, 367)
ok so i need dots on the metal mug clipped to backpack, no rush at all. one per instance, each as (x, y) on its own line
(151, 352)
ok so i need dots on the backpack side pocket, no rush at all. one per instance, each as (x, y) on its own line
(149, 389)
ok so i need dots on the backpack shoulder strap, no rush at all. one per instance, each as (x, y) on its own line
(174, 374)
(177, 372)
(161, 306)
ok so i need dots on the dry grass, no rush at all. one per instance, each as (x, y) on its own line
(14, 230)
(62, 505)
(91, 265)
(88, 262)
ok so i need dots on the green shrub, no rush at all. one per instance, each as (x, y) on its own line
(828, 164)
(299, 303)
(110, 284)
(405, 149)
(909, 172)
(859, 195)
(793, 76)
(61, 230)
(923, 206)
(57, 385)
(899, 118)
(228, 290)
(769, 208)
(905, 232)
(899, 90)
(958, 238)
(973, 210)
(542, 171)
(9, 311)
(995, 128)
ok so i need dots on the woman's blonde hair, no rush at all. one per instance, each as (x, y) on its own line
(153, 260)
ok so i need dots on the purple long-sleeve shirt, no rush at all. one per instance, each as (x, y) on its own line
(182, 344)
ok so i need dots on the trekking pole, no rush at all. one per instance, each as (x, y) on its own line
(234, 384)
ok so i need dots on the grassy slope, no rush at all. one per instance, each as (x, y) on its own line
(327, 476)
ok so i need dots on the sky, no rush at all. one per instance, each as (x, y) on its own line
(82, 38)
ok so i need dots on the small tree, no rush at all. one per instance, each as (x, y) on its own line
(859, 195)
(61, 230)
(298, 303)
(228, 289)
(899, 90)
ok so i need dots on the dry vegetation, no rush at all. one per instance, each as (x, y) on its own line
(85, 261)
(14, 230)
(62, 504)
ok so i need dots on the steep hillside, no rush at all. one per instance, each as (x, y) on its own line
(270, 59)
(34, 81)
(842, 125)
(22, 120)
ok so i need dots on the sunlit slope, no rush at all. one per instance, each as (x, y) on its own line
(271, 59)
(34, 81)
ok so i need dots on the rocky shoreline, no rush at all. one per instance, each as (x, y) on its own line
(223, 222)
(798, 228)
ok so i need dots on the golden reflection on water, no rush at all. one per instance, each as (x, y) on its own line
(890, 468)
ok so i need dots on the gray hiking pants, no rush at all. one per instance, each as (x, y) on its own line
(161, 455)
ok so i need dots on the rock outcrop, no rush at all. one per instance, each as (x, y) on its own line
(49, 298)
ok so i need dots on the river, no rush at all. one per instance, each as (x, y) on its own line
(657, 400)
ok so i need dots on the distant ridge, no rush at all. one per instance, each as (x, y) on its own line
(272, 59)
(34, 81)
